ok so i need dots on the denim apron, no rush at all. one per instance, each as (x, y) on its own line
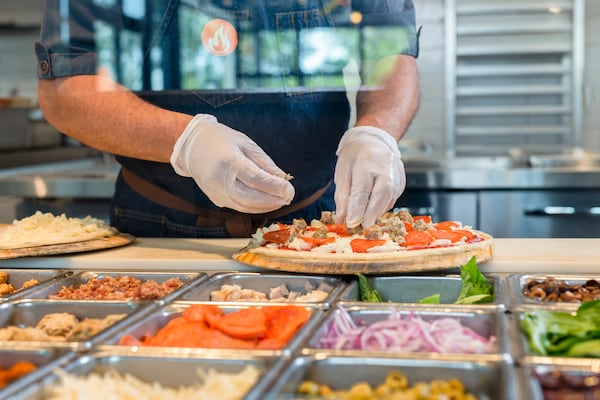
(297, 126)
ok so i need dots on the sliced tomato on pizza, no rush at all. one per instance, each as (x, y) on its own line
(398, 242)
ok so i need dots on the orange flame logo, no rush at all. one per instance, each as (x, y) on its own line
(219, 37)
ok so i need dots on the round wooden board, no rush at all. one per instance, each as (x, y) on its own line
(421, 261)
(108, 242)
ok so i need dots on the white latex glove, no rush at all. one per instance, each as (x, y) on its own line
(229, 167)
(369, 175)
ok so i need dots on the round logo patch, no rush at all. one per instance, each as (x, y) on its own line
(219, 37)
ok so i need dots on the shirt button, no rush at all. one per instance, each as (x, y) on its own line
(44, 66)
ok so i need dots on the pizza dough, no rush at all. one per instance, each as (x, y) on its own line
(42, 229)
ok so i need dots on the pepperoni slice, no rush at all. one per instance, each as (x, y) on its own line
(447, 225)
(466, 233)
(363, 245)
(340, 229)
(280, 236)
(417, 238)
(315, 242)
(453, 236)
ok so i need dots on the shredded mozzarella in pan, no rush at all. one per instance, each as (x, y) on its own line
(115, 385)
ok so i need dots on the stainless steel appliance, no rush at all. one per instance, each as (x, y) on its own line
(540, 213)
(514, 197)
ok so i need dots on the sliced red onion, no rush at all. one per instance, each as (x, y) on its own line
(409, 333)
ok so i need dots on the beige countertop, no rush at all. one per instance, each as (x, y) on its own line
(556, 256)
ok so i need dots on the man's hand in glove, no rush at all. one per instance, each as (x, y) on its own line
(230, 168)
(369, 175)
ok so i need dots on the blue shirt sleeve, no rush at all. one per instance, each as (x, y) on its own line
(395, 13)
(66, 45)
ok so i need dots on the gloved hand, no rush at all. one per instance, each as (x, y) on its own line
(230, 168)
(369, 175)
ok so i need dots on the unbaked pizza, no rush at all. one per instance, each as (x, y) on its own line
(49, 234)
(45, 228)
(398, 242)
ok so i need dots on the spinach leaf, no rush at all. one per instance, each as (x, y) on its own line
(475, 289)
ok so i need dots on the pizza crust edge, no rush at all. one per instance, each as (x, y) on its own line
(350, 263)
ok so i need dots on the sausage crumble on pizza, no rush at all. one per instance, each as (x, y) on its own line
(398, 242)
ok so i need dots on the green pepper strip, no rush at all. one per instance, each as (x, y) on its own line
(367, 292)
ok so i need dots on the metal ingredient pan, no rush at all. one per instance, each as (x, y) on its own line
(17, 277)
(81, 278)
(523, 353)
(43, 359)
(487, 380)
(264, 282)
(152, 322)
(411, 289)
(27, 313)
(176, 371)
(517, 283)
(533, 379)
(487, 323)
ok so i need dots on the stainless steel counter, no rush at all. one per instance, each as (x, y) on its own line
(17, 159)
(87, 178)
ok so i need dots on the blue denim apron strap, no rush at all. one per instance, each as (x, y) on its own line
(238, 225)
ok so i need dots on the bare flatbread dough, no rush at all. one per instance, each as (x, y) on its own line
(42, 229)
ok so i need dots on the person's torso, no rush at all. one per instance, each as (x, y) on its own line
(249, 65)
(271, 69)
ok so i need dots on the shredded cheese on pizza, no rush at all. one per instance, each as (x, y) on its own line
(47, 229)
(396, 231)
(299, 244)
